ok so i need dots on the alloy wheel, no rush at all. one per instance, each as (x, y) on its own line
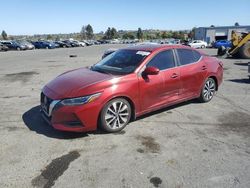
(209, 89)
(117, 114)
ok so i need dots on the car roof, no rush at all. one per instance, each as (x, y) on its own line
(154, 47)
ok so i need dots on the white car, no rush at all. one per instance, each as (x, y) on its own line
(197, 44)
(82, 44)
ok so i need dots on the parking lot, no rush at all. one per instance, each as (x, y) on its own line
(187, 145)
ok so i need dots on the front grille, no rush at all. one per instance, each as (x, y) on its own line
(45, 103)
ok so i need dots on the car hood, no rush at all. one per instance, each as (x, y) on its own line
(69, 84)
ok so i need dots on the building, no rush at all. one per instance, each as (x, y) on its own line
(210, 34)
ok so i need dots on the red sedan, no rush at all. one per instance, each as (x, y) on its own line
(129, 83)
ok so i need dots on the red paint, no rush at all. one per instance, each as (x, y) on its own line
(147, 93)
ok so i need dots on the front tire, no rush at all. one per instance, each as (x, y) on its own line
(208, 90)
(115, 115)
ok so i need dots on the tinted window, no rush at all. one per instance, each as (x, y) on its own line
(163, 60)
(121, 61)
(197, 55)
(187, 56)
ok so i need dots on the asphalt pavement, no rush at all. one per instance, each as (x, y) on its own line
(187, 145)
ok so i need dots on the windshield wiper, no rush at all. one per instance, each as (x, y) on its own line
(99, 70)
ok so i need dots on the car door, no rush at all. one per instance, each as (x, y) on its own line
(192, 72)
(199, 44)
(195, 44)
(8, 44)
(157, 90)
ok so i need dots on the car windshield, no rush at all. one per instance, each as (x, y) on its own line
(121, 62)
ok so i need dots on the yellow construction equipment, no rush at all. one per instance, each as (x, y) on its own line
(240, 46)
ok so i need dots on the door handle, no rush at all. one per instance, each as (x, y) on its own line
(204, 67)
(174, 75)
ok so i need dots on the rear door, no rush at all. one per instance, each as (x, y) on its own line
(192, 72)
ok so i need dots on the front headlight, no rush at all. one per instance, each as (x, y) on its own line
(80, 100)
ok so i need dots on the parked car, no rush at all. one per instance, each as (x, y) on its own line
(3, 47)
(127, 84)
(62, 44)
(225, 43)
(79, 43)
(197, 44)
(44, 44)
(28, 45)
(96, 42)
(55, 44)
(14, 45)
(88, 42)
(103, 41)
(114, 41)
(71, 43)
(108, 51)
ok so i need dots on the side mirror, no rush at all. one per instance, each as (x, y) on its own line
(151, 71)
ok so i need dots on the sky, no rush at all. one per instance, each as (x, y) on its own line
(28, 17)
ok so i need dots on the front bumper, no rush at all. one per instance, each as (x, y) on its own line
(81, 118)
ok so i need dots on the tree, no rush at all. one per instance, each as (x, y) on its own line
(4, 35)
(237, 24)
(113, 33)
(139, 34)
(164, 35)
(128, 35)
(107, 34)
(151, 36)
(191, 33)
(181, 35)
(175, 35)
(83, 32)
(57, 38)
(157, 35)
(89, 31)
(49, 37)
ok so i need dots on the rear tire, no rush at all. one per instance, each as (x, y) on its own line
(115, 115)
(221, 51)
(208, 90)
(244, 51)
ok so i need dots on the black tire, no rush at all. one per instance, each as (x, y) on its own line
(208, 90)
(221, 51)
(115, 115)
(244, 51)
(18, 48)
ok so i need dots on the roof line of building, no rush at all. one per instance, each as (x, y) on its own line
(222, 27)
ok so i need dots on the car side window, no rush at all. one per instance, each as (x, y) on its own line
(197, 55)
(163, 60)
(187, 56)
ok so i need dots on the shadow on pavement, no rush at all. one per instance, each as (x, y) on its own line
(193, 101)
(34, 121)
(241, 81)
(241, 64)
